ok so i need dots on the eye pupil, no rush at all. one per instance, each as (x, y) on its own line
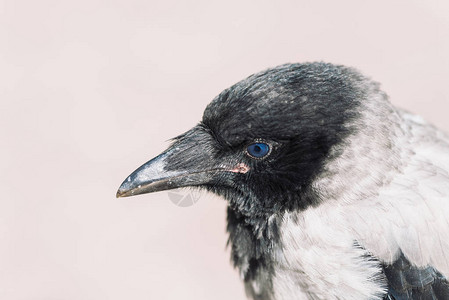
(258, 150)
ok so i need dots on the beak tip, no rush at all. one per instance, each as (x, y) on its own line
(124, 191)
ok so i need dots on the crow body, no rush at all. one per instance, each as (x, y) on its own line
(351, 201)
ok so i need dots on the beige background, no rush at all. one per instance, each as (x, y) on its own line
(90, 90)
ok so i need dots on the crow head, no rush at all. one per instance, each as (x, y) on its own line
(262, 141)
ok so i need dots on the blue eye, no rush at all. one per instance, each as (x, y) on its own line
(258, 150)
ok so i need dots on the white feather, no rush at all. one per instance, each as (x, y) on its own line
(316, 259)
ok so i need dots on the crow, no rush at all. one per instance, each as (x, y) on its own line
(333, 193)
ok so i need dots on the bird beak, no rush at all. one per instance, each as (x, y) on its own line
(189, 162)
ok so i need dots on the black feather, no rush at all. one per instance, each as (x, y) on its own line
(408, 282)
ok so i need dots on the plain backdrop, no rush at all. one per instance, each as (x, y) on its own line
(91, 89)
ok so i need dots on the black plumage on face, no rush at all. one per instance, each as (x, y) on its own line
(301, 111)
